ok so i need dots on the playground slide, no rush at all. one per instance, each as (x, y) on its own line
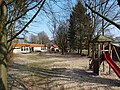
(112, 64)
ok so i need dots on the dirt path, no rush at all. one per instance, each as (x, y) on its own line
(57, 72)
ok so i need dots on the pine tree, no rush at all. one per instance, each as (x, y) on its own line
(79, 28)
(72, 33)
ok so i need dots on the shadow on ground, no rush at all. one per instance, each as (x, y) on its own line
(23, 77)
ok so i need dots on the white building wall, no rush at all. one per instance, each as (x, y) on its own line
(37, 49)
(41, 49)
(27, 49)
(21, 50)
(17, 50)
(44, 49)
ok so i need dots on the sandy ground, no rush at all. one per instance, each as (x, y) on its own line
(58, 72)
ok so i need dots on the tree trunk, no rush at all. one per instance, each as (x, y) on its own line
(89, 48)
(81, 51)
(81, 48)
(3, 47)
(62, 51)
(3, 63)
(78, 50)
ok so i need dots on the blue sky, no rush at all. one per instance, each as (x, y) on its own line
(37, 27)
(114, 31)
(41, 22)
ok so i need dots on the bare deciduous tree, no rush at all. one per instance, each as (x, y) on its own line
(17, 9)
(43, 38)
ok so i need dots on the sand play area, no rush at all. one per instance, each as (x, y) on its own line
(58, 72)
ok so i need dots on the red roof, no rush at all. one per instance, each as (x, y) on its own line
(30, 45)
(33, 45)
(37, 45)
(55, 46)
(21, 44)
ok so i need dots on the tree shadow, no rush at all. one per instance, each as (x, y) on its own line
(45, 79)
(2, 87)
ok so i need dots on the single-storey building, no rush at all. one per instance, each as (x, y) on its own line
(38, 47)
(21, 48)
(54, 48)
(27, 48)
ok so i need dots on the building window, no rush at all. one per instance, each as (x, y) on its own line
(43, 48)
(22, 48)
(26, 48)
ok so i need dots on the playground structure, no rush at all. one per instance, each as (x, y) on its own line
(102, 50)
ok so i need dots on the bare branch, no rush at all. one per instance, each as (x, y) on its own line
(115, 24)
(24, 13)
(28, 22)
